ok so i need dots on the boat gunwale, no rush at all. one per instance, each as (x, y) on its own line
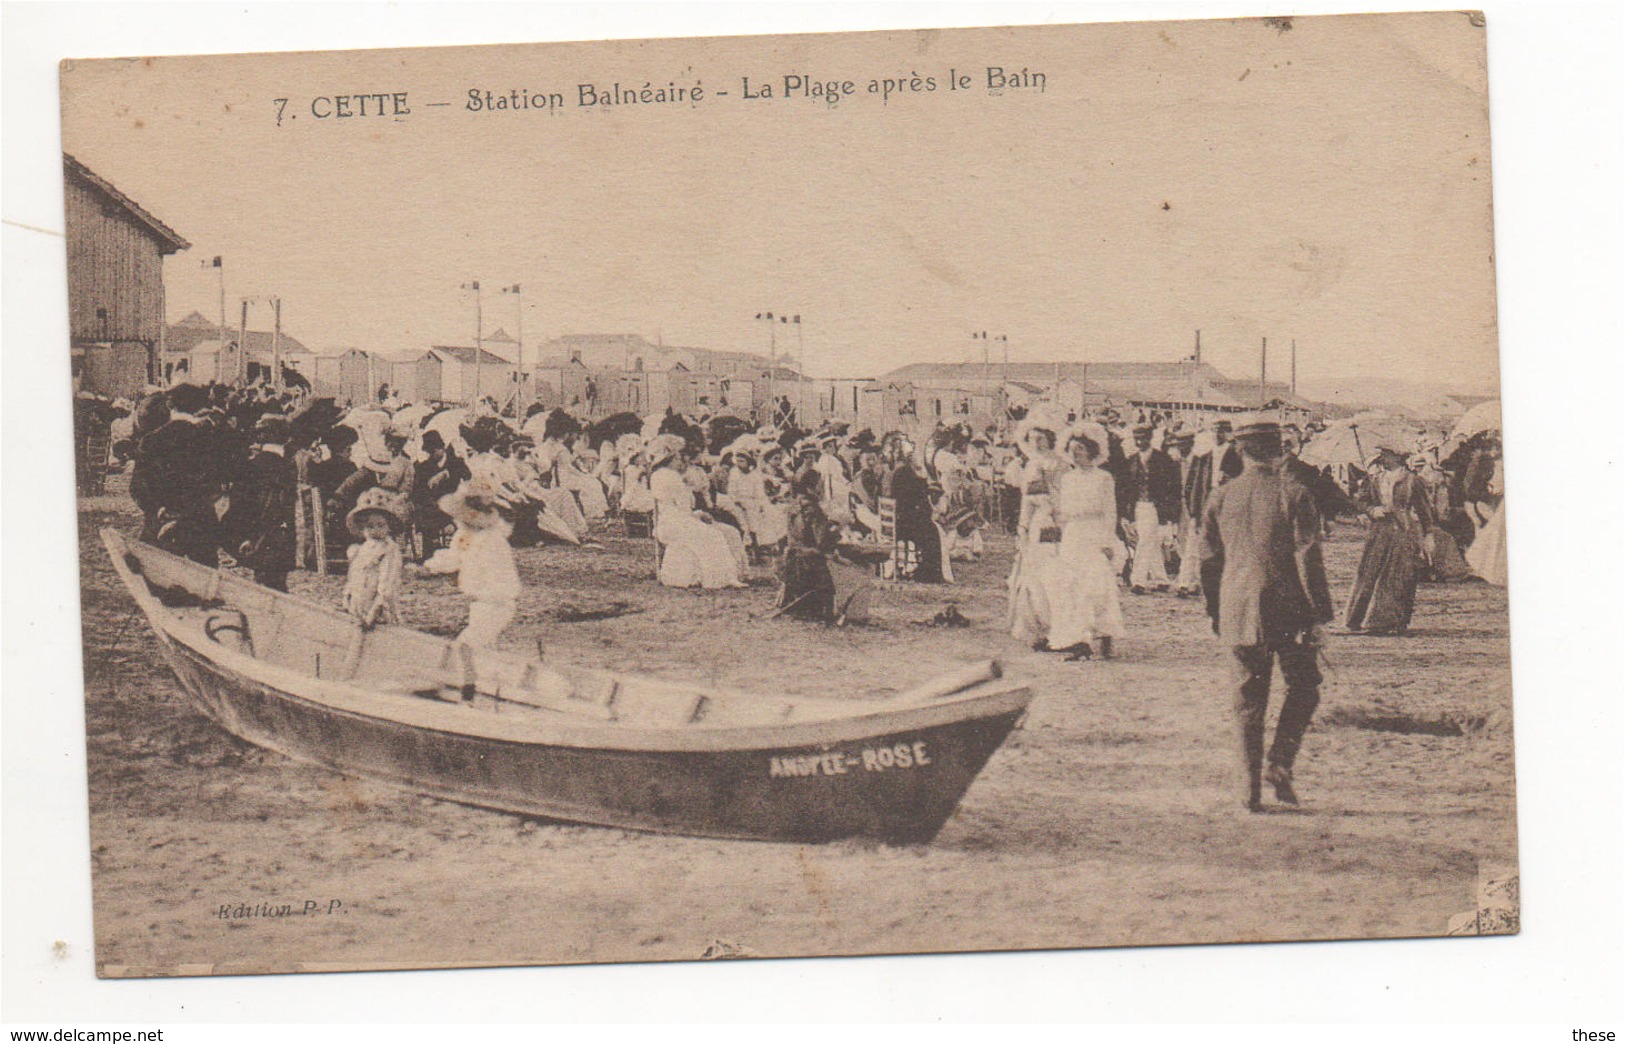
(866, 720)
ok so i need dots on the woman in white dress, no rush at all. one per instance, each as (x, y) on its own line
(578, 473)
(1487, 557)
(698, 552)
(748, 487)
(1086, 614)
(634, 495)
(1038, 535)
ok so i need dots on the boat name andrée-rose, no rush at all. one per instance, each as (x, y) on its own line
(838, 762)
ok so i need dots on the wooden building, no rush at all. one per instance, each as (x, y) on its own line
(116, 252)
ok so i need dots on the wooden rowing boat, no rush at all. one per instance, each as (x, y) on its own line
(504, 731)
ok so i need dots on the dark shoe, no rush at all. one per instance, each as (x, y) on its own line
(1105, 648)
(1280, 777)
(1077, 653)
(1042, 645)
(1137, 589)
(1255, 798)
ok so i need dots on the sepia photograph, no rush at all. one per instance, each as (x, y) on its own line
(812, 495)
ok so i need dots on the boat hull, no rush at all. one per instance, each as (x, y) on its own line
(897, 786)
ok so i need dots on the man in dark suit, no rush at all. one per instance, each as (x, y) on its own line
(261, 518)
(178, 474)
(1268, 599)
(1148, 501)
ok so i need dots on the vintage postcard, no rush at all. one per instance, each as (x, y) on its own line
(893, 492)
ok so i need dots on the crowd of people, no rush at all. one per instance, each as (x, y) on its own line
(1099, 506)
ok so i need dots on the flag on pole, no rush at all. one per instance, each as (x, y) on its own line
(514, 289)
(796, 320)
(472, 286)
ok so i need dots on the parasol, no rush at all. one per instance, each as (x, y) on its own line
(1486, 416)
(449, 424)
(1356, 440)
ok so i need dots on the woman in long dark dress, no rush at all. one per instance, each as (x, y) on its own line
(809, 589)
(917, 531)
(1384, 592)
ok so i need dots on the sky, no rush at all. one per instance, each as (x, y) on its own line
(1326, 183)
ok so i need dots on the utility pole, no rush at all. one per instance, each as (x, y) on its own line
(801, 365)
(1198, 347)
(519, 327)
(276, 344)
(242, 346)
(1263, 368)
(1004, 382)
(479, 337)
(220, 267)
(1294, 367)
(772, 366)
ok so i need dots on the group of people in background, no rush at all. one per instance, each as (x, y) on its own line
(1098, 504)
(1103, 504)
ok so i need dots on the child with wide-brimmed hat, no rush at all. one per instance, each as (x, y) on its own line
(372, 591)
(483, 561)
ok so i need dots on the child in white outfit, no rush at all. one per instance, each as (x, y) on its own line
(482, 559)
(372, 590)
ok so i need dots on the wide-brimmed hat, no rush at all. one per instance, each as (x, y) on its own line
(1042, 417)
(472, 500)
(1095, 433)
(379, 501)
(662, 448)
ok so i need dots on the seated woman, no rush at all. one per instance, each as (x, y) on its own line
(808, 591)
(698, 551)
(748, 488)
(580, 476)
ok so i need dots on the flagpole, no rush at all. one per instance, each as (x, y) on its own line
(242, 347)
(519, 327)
(1263, 368)
(276, 344)
(221, 268)
(801, 364)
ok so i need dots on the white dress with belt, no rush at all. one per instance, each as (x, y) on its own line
(696, 553)
(1084, 604)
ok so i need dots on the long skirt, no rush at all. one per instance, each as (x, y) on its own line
(1384, 593)
(1488, 555)
(1033, 593)
(1084, 603)
(589, 493)
(700, 554)
(921, 559)
(809, 589)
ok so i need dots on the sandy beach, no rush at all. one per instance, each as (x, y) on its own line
(1112, 816)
